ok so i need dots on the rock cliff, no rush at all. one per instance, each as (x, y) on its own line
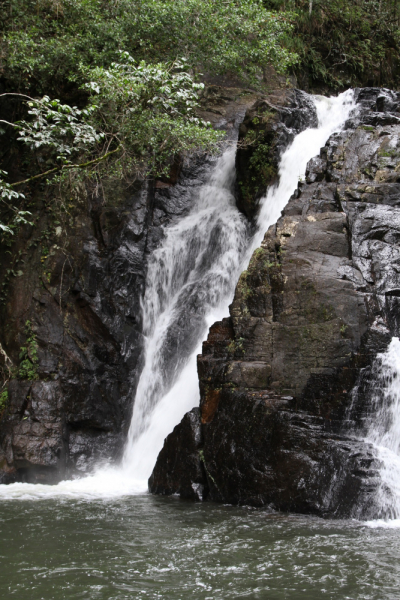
(74, 289)
(319, 299)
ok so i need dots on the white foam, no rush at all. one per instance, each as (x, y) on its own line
(384, 429)
(105, 484)
(383, 524)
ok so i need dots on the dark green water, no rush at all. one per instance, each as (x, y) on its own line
(143, 547)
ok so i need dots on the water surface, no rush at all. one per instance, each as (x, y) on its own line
(146, 547)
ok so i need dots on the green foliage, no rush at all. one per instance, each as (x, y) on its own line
(150, 111)
(45, 41)
(63, 128)
(62, 131)
(140, 115)
(261, 168)
(343, 44)
(236, 346)
(260, 163)
(28, 367)
(3, 400)
(119, 60)
(14, 215)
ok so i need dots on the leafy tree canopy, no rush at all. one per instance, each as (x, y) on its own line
(136, 65)
(343, 43)
(46, 41)
(141, 115)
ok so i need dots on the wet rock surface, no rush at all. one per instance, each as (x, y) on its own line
(319, 300)
(181, 470)
(268, 128)
(83, 303)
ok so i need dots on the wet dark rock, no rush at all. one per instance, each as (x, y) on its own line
(280, 424)
(268, 128)
(83, 302)
(181, 453)
(260, 451)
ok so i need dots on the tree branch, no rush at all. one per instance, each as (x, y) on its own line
(64, 167)
(7, 123)
(20, 95)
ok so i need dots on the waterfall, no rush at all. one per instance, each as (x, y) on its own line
(384, 428)
(332, 113)
(191, 266)
(189, 279)
(190, 284)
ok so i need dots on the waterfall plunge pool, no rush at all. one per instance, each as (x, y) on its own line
(143, 547)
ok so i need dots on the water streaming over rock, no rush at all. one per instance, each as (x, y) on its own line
(332, 113)
(189, 278)
(197, 268)
(190, 283)
(384, 429)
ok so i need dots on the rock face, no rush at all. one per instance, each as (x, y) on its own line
(83, 303)
(180, 468)
(267, 129)
(319, 299)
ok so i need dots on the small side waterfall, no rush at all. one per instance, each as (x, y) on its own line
(190, 284)
(332, 114)
(384, 428)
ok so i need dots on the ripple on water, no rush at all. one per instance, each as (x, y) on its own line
(148, 548)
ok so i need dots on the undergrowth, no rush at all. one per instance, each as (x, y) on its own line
(342, 43)
(28, 367)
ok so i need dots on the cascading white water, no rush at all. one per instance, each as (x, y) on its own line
(384, 429)
(190, 283)
(188, 245)
(332, 114)
(189, 279)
